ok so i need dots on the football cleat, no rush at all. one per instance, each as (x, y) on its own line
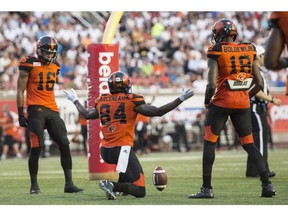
(271, 174)
(204, 193)
(71, 188)
(268, 191)
(107, 187)
(34, 189)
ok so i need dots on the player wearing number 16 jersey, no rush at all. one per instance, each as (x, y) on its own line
(37, 77)
(231, 72)
(117, 112)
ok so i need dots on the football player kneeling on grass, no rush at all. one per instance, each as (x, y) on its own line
(117, 112)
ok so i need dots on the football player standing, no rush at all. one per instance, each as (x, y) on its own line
(37, 77)
(231, 67)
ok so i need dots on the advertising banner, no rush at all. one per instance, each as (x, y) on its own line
(103, 60)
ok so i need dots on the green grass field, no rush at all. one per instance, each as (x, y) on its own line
(231, 187)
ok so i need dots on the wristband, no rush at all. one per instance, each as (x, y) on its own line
(20, 111)
(272, 100)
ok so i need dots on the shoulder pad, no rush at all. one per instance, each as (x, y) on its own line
(137, 96)
(215, 47)
(29, 60)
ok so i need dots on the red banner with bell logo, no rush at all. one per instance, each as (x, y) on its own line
(103, 60)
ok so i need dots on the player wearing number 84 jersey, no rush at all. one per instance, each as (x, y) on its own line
(117, 112)
(37, 77)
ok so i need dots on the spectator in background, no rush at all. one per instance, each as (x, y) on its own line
(147, 68)
(142, 145)
(200, 123)
(157, 29)
(155, 133)
(179, 118)
(171, 31)
(160, 67)
(10, 132)
(2, 120)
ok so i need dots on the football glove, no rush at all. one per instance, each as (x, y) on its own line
(22, 121)
(186, 94)
(72, 96)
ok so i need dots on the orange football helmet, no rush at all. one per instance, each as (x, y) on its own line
(47, 45)
(119, 82)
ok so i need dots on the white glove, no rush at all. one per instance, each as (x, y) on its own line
(186, 94)
(72, 96)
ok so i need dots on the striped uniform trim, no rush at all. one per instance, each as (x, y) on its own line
(261, 144)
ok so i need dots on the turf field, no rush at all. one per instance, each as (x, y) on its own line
(231, 187)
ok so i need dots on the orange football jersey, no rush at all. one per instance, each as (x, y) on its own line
(40, 86)
(142, 118)
(118, 118)
(235, 61)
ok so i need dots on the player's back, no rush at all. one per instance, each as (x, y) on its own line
(235, 62)
(40, 86)
(117, 116)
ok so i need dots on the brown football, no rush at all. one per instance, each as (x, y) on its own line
(159, 178)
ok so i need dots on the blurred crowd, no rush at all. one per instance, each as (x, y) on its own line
(157, 49)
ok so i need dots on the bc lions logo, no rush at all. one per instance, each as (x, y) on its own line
(242, 76)
(111, 129)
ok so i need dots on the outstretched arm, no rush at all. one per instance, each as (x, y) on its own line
(150, 111)
(87, 114)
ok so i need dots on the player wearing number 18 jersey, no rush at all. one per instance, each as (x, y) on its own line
(235, 65)
(231, 70)
(37, 77)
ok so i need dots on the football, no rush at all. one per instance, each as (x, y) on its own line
(159, 178)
